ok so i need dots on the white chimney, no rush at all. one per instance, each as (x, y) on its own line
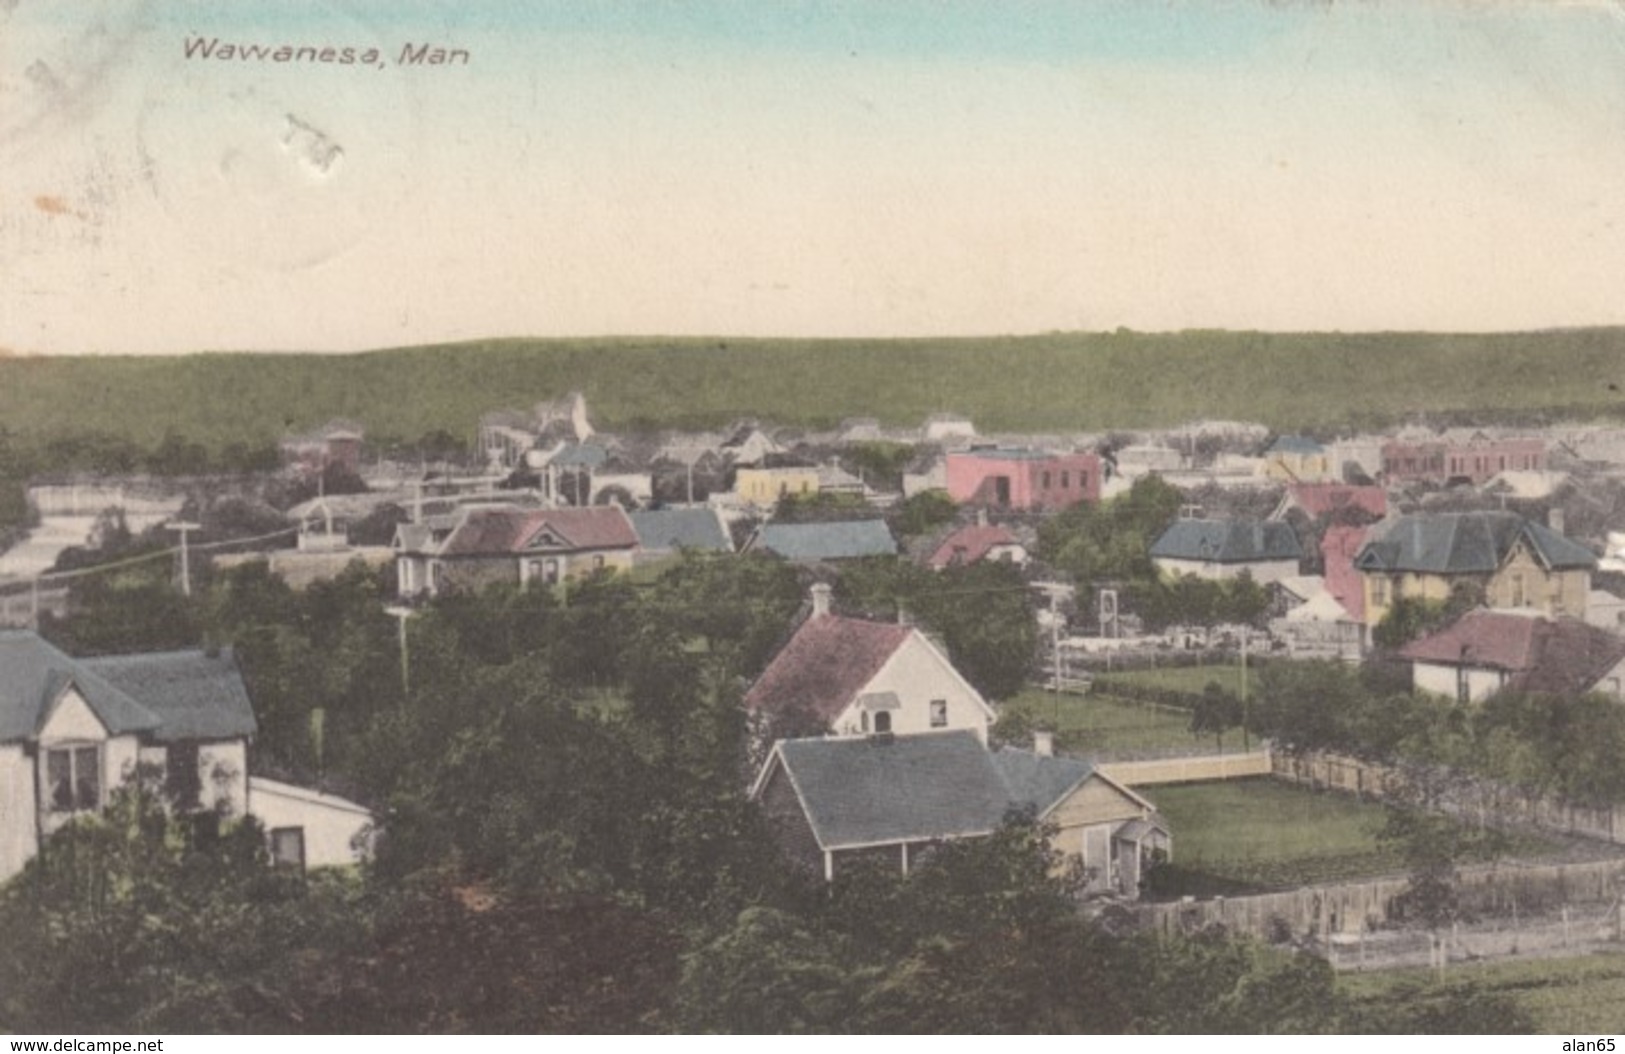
(820, 599)
(981, 516)
(1043, 743)
(1554, 519)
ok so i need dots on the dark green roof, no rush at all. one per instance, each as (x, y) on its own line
(197, 695)
(881, 790)
(33, 675)
(842, 540)
(662, 529)
(1227, 541)
(172, 695)
(1467, 543)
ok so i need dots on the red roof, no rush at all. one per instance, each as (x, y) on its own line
(969, 544)
(1542, 654)
(493, 532)
(1323, 499)
(825, 665)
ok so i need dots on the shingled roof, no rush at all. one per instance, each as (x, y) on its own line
(970, 544)
(882, 790)
(842, 540)
(505, 530)
(1467, 543)
(1227, 541)
(172, 695)
(821, 669)
(1558, 656)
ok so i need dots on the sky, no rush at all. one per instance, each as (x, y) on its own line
(859, 168)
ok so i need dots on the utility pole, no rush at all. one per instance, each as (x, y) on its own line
(185, 527)
(402, 613)
(1246, 744)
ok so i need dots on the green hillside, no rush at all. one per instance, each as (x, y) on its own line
(1050, 382)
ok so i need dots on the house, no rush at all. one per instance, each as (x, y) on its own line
(1027, 479)
(336, 444)
(778, 476)
(1298, 459)
(835, 540)
(485, 545)
(1517, 563)
(836, 803)
(940, 428)
(747, 444)
(1317, 625)
(852, 676)
(976, 542)
(1467, 455)
(1221, 549)
(665, 532)
(73, 730)
(1486, 651)
(1333, 502)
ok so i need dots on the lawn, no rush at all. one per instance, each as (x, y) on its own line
(1089, 724)
(1579, 996)
(1257, 834)
(1192, 679)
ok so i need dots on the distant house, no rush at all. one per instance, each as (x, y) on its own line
(777, 476)
(663, 532)
(816, 542)
(1221, 549)
(1339, 502)
(943, 427)
(486, 545)
(1022, 478)
(336, 444)
(1518, 563)
(1298, 459)
(853, 676)
(835, 803)
(1467, 455)
(1486, 651)
(747, 444)
(977, 542)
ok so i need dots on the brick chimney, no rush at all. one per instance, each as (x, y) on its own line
(820, 599)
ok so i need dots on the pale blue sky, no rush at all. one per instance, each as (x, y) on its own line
(836, 168)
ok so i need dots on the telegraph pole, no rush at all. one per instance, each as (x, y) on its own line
(185, 527)
(402, 613)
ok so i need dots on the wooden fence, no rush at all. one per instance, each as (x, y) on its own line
(1188, 768)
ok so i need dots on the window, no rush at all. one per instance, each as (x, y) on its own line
(863, 720)
(1519, 597)
(1045, 484)
(75, 776)
(1464, 689)
(1379, 592)
(288, 847)
(939, 713)
(1066, 480)
(883, 721)
(598, 562)
(182, 778)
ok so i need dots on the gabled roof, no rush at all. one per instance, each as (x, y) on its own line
(662, 529)
(512, 530)
(1467, 543)
(825, 664)
(969, 544)
(195, 695)
(841, 540)
(875, 790)
(882, 790)
(1227, 541)
(1324, 499)
(1561, 655)
(172, 695)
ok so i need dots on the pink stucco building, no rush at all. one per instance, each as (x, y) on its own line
(1022, 479)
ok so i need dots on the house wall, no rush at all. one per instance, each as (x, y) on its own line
(1033, 482)
(919, 674)
(1523, 583)
(1263, 571)
(336, 831)
(474, 574)
(765, 486)
(1440, 679)
(18, 833)
(1381, 590)
(789, 823)
(1292, 466)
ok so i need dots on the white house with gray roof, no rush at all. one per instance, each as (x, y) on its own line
(1220, 549)
(73, 730)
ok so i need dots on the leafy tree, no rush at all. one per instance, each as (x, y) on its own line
(923, 513)
(1216, 711)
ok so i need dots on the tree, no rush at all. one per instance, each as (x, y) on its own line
(1216, 711)
(923, 513)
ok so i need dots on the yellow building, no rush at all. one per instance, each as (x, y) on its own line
(1518, 563)
(1296, 459)
(763, 487)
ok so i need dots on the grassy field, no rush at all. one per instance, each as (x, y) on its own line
(1192, 679)
(1050, 382)
(1578, 997)
(1091, 723)
(1257, 834)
